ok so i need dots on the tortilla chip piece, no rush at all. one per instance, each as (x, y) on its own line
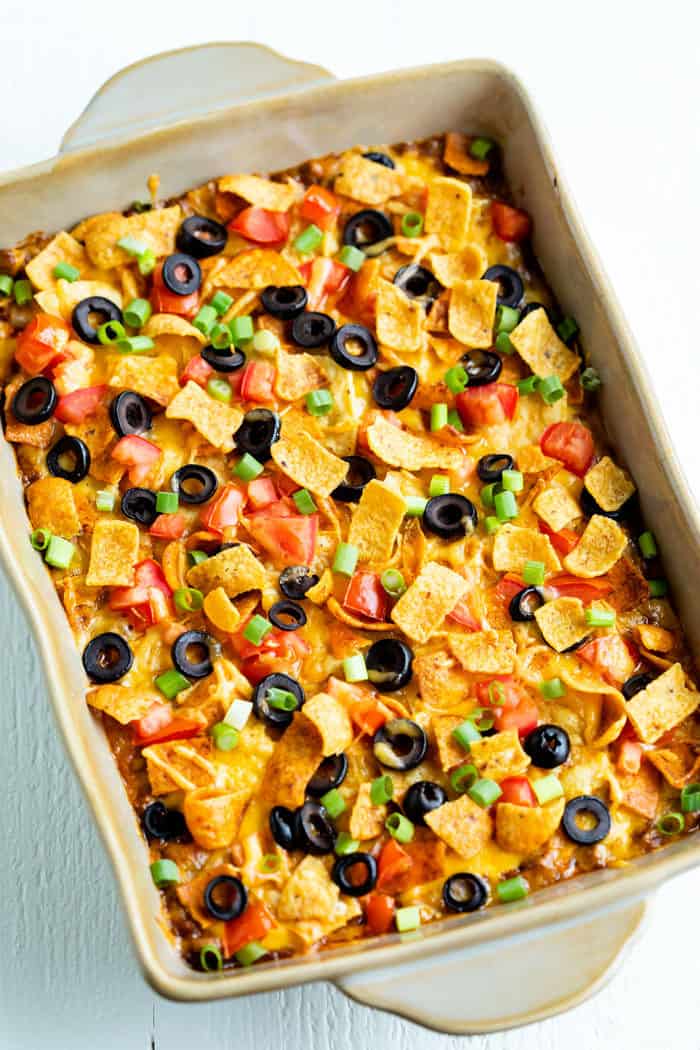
(294, 761)
(400, 448)
(152, 377)
(171, 324)
(297, 374)
(235, 569)
(541, 348)
(484, 652)
(51, 505)
(180, 765)
(220, 611)
(462, 824)
(331, 721)
(113, 553)
(421, 609)
(679, 764)
(155, 229)
(322, 590)
(213, 815)
(365, 181)
(307, 462)
(376, 522)
(556, 506)
(63, 248)
(609, 485)
(472, 312)
(450, 753)
(399, 320)
(562, 622)
(309, 893)
(120, 702)
(465, 265)
(532, 460)
(499, 756)
(255, 269)
(525, 829)
(216, 421)
(448, 212)
(441, 681)
(600, 546)
(456, 155)
(366, 819)
(263, 193)
(666, 702)
(311, 931)
(657, 639)
(513, 546)
(70, 293)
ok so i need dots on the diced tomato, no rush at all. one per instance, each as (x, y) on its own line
(252, 925)
(291, 540)
(75, 407)
(379, 912)
(196, 370)
(514, 708)
(366, 596)
(610, 656)
(567, 586)
(369, 716)
(322, 277)
(261, 225)
(148, 600)
(169, 526)
(524, 717)
(507, 588)
(463, 615)
(261, 493)
(223, 509)
(157, 717)
(138, 454)
(518, 791)
(42, 343)
(256, 382)
(484, 405)
(510, 224)
(160, 725)
(361, 296)
(393, 861)
(629, 756)
(320, 206)
(563, 541)
(571, 443)
(508, 695)
(277, 647)
(148, 573)
(166, 302)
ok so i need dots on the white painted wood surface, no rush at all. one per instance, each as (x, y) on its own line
(618, 87)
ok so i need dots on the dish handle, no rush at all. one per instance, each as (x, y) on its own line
(181, 85)
(503, 984)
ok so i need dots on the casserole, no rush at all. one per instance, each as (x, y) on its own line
(483, 85)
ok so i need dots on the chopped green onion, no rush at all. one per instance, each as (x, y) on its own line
(248, 467)
(671, 824)
(137, 313)
(456, 379)
(533, 573)
(269, 863)
(567, 329)
(647, 545)
(6, 283)
(167, 502)
(399, 827)
(466, 734)
(132, 246)
(256, 629)
(40, 539)
(63, 271)
(219, 389)
(484, 792)
(496, 694)
(505, 505)
(141, 206)
(512, 481)
(590, 380)
(355, 668)
(351, 257)
(238, 714)
(308, 240)
(481, 147)
(146, 262)
(188, 599)
(59, 553)
(507, 318)
(690, 798)
(250, 954)
(454, 420)
(345, 843)
(334, 803)
(265, 341)
(407, 919)
(23, 292)
(503, 343)
(220, 302)
(381, 790)
(319, 402)
(281, 699)
(492, 524)
(104, 500)
(512, 889)
(482, 719)
(658, 588)
(528, 386)
(345, 559)
(439, 485)
(241, 329)
(304, 502)
(165, 873)
(412, 224)
(205, 319)
(210, 958)
(488, 493)
(225, 737)
(135, 344)
(600, 617)
(547, 788)
(221, 337)
(462, 778)
(415, 506)
(171, 682)
(550, 389)
(438, 416)
(393, 582)
(197, 557)
(552, 688)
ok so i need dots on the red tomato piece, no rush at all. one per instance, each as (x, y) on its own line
(510, 224)
(77, 406)
(610, 656)
(524, 717)
(261, 225)
(379, 912)
(148, 600)
(320, 206)
(629, 756)
(508, 695)
(138, 454)
(393, 861)
(160, 725)
(169, 526)
(323, 277)
(484, 405)
(571, 443)
(366, 596)
(166, 302)
(42, 343)
(567, 586)
(507, 588)
(518, 791)
(252, 925)
(261, 493)
(196, 370)
(223, 510)
(291, 540)
(158, 716)
(463, 615)
(563, 541)
(256, 382)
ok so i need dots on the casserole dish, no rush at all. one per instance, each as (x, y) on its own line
(477, 94)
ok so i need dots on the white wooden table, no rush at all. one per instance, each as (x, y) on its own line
(618, 88)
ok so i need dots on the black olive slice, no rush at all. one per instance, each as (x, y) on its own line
(360, 473)
(225, 897)
(139, 505)
(421, 798)
(482, 366)
(130, 414)
(314, 831)
(389, 664)
(107, 658)
(355, 874)
(490, 468)
(450, 515)
(286, 615)
(276, 717)
(330, 774)
(593, 807)
(182, 275)
(76, 452)
(511, 284)
(283, 827)
(201, 237)
(367, 227)
(191, 654)
(343, 342)
(285, 302)
(548, 746)
(92, 312)
(400, 744)
(395, 388)
(257, 433)
(224, 361)
(635, 684)
(296, 580)
(312, 329)
(525, 604)
(418, 283)
(464, 892)
(194, 483)
(35, 401)
(159, 822)
(379, 158)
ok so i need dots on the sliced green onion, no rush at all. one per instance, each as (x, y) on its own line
(507, 318)
(550, 389)
(492, 524)
(466, 734)
(590, 379)
(248, 467)
(265, 341)
(462, 778)
(104, 500)
(438, 416)
(63, 271)
(512, 481)
(221, 337)
(484, 792)
(505, 505)
(188, 599)
(165, 873)
(256, 629)
(319, 402)
(238, 714)
(690, 798)
(488, 493)
(23, 292)
(308, 240)
(141, 206)
(137, 313)
(59, 553)
(456, 379)
(454, 420)
(40, 539)
(146, 262)
(355, 668)
(167, 502)
(381, 791)
(503, 343)
(197, 557)
(512, 889)
(351, 257)
(671, 824)
(171, 682)
(345, 560)
(250, 953)
(205, 319)
(345, 843)
(304, 502)
(647, 545)
(528, 386)
(225, 737)
(407, 919)
(393, 582)
(281, 699)
(658, 588)
(135, 344)
(6, 283)
(269, 863)
(567, 329)
(210, 958)
(241, 329)
(482, 719)
(219, 389)
(415, 506)
(533, 573)
(439, 485)
(496, 694)
(600, 617)
(552, 688)
(334, 803)
(220, 302)
(132, 246)
(547, 788)
(412, 224)
(481, 147)
(400, 827)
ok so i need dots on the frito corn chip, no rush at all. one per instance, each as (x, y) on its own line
(152, 377)
(113, 554)
(525, 829)
(513, 546)
(420, 611)
(155, 229)
(309, 893)
(462, 824)
(235, 569)
(263, 193)
(307, 462)
(465, 265)
(297, 374)
(562, 622)
(51, 505)
(321, 591)
(456, 154)
(499, 756)
(679, 764)
(256, 269)
(294, 761)
(121, 703)
(399, 319)
(180, 765)
(556, 506)
(600, 546)
(532, 460)
(449, 211)
(376, 522)
(334, 607)
(484, 652)
(442, 683)
(63, 248)
(662, 705)
(472, 312)
(450, 753)
(70, 293)
(541, 348)
(609, 485)
(400, 448)
(216, 421)
(366, 819)
(365, 181)
(213, 815)
(170, 324)
(220, 611)
(331, 721)
(657, 639)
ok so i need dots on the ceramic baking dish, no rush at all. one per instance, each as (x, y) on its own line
(220, 108)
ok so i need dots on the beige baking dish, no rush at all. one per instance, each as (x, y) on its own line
(206, 111)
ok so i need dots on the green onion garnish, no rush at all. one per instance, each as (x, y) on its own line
(23, 292)
(188, 599)
(219, 389)
(690, 798)
(647, 545)
(481, 147)
(533, 573)
(334, 803)
(393, 582)
(671, 824)
(248, 467)
(63, 271)
(171, 682)
(269, 863)
(304, 502)
(319, 402)
(590, 380)
(462, 778)
(250, 953)
(547, 788)
(512, 481)
(6, 283)
(220, 302)
(135, 344)
(197, 557)
(355, 668)
(111, 332)
(503, 343)
(351, 257)
(205, 319)
(415, 506)
(492, 524)
(265, 341)
(146, 262)
(399, 827)
(220, 337)
(137, 313)
(438, 416)
(165, 873)
(507, 317)
(552, 688)
(210, 958)
(528, 386)
(658, 588)
(466, 734)
(454, 420)
(412, 224)
(132, 246)
(407, 919)
(488, 493)
(550, 389)
(345, 843)
(167, 502)
(381, 790)
(567, 329)
(496, 694)
(104, 500)
(308, 240)
(225, 737)
(141, 206)
(600, 617)
(439, 485)
(241, 329)
(505, 505)
(456, 379)
(40, 539)
(512, 889)
(345, 560)
(59, 553)
(482, 719)
(281, 699)
(484, 792)
(256, 629)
